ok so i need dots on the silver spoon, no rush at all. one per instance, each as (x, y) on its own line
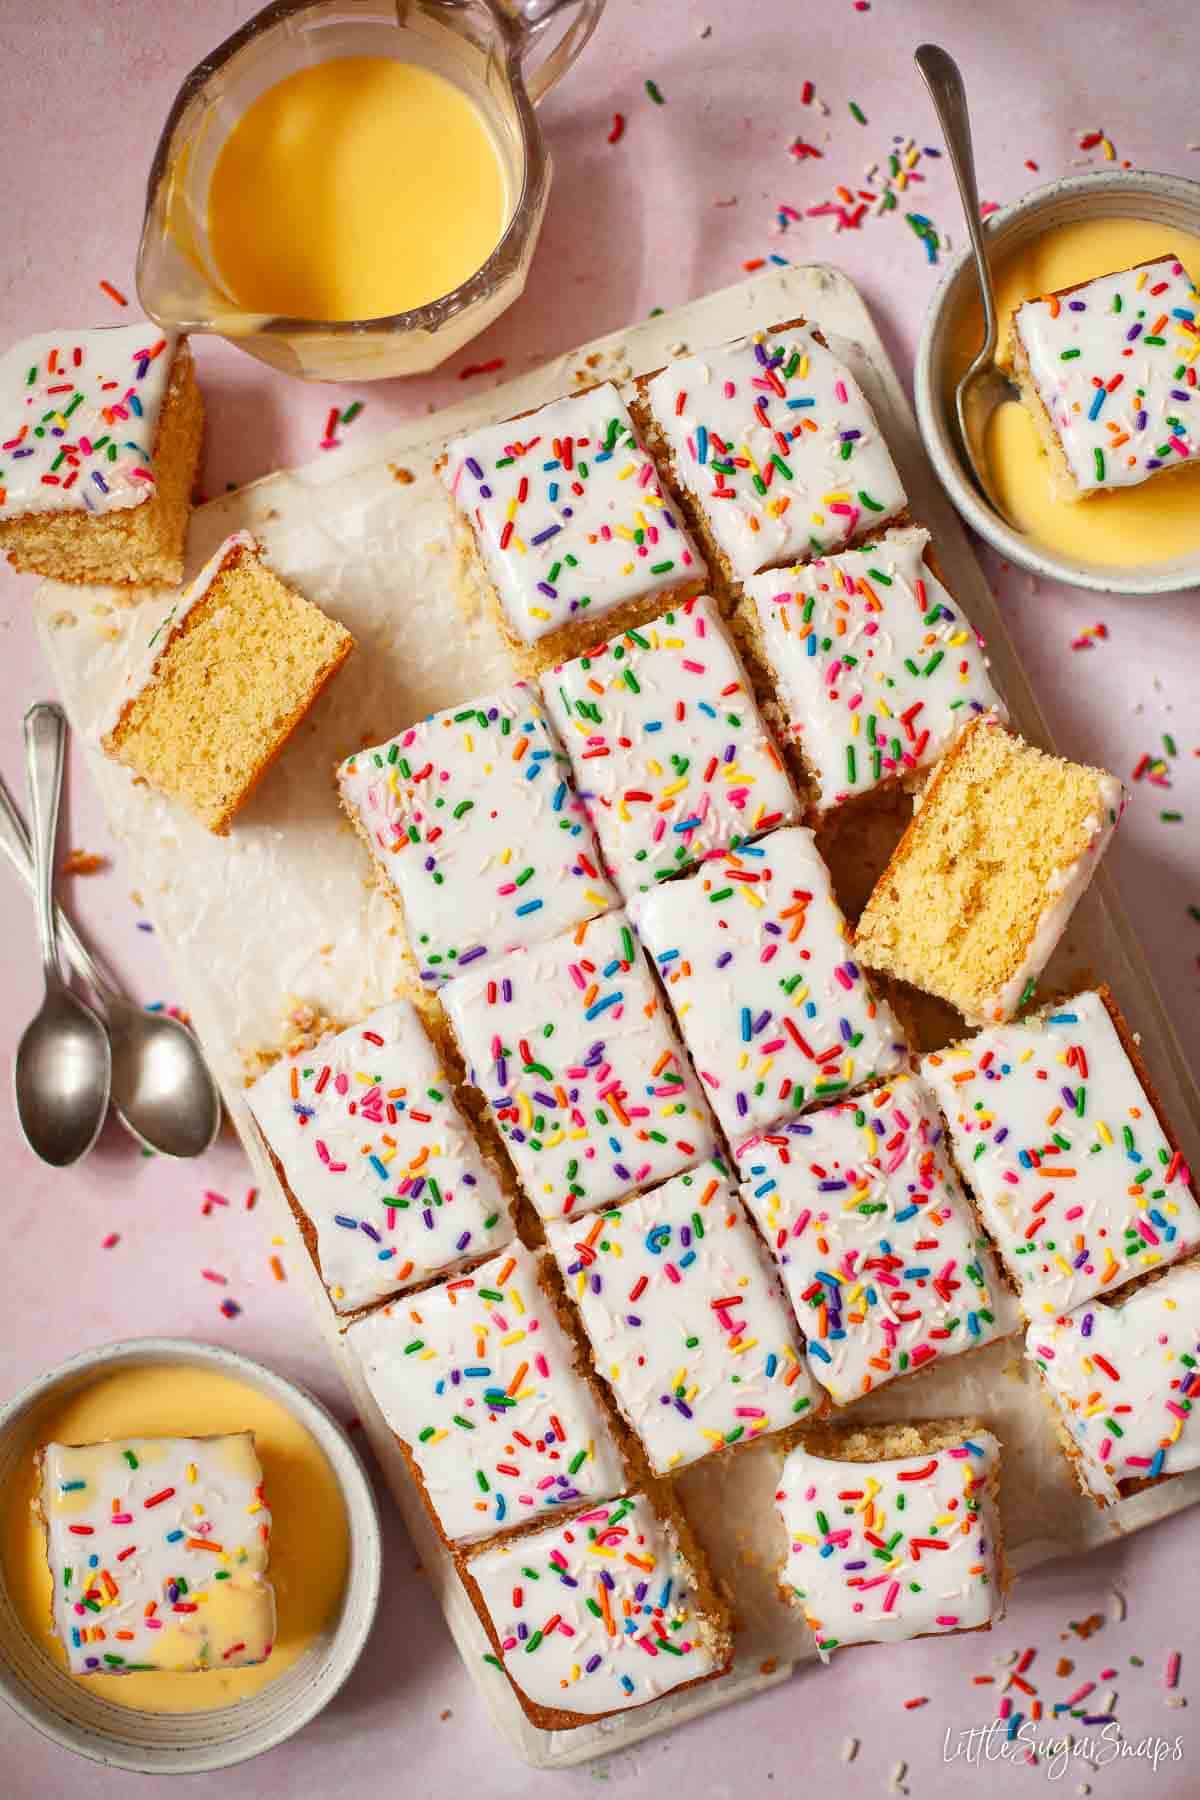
(985, 386)
(64, 1065)
(162, 1091)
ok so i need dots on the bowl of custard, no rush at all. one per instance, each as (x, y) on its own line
(1134, 540)
(325, 1558)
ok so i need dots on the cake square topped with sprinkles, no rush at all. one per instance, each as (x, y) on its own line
(472, 819)
(879, 1250)
(875, 666)
(158, 1549)
(670, 752)
(385, 1179)
(686, 1318)
(1108, 370)
(1125, 1380)
(567, 514)
(477, 1379)
(572, 1047)
(602, 1613)
(772, 1005)
(1076, 1175)
(777, 448)
(893, 1532)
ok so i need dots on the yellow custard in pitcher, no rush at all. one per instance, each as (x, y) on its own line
(355, 188)
(1156, 521)
(309, 1546)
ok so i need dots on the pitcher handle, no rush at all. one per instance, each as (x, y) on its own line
(532, 18)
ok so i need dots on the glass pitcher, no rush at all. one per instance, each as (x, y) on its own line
(480, 45)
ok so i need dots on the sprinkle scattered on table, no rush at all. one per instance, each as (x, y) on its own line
(230, 1308)
(1089, 637)
(483, 368)
(111, 1241)
(616, 130)
(655, 93)
(114, 293)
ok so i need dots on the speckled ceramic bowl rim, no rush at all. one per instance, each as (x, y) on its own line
(1174, 200)
(229, 1743)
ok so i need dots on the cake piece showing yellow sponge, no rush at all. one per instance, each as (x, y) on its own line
(224, 681)
(100, 437)
(981, 886)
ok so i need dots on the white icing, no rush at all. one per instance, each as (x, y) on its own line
(158, 1548)
(1067, 887)
(1113, 363)
(380, 1159)
(786, 412)
(472, 817)
(145, 662)
(1125, 1379)
(686, 1319)
(80, 437)
(773, 1007)
(582, 1610)
(590, 525)
(875, 664)
(852, 1594)
(878, 1248)
(670, 752)
(572, 1047)
(476, 1378)
(1073, 1173)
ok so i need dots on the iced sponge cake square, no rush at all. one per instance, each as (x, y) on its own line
(1107, 369)
(877, 1245)
(158, 1548)
(686, 1318)
(893, 1532)
(604, 1612)
(387, 1183)
(671, 754)
(479, 1382)
(776, 447)
(984, 881)
(875, 666)
(100, 436)
(1074, 1172)
(771, 1001)
(472, 819)
(223, 683)
(573, 1050)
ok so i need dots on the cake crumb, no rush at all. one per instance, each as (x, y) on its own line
(399, 473)
(82, 862)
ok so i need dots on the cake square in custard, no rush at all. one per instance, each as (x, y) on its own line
(100, 435)
(604, 1612)
(568, 517)
(158, 1550)
(772, 1005)
(387, 1184)
(1107, 369)
(479, 1382)
(1124, 1381)
(982, 885)
(1075, 1173)
(671, 755)
(875, 666)
(574, 1051)
(687, 1321)
(223, 683)
(777, 448)
(893, 1532)
(473, 822)
(879, 1250)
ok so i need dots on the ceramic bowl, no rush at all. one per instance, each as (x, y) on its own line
(61, 1708)
(1165, 199)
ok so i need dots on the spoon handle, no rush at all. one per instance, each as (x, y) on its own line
(941, 76)
(45, 746)
(14, 842)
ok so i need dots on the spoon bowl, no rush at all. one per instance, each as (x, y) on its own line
(62, 1078)
(162, 1090)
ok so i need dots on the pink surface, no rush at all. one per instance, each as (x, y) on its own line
(668, 213)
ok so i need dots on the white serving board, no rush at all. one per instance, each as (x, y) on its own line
(283, 908)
